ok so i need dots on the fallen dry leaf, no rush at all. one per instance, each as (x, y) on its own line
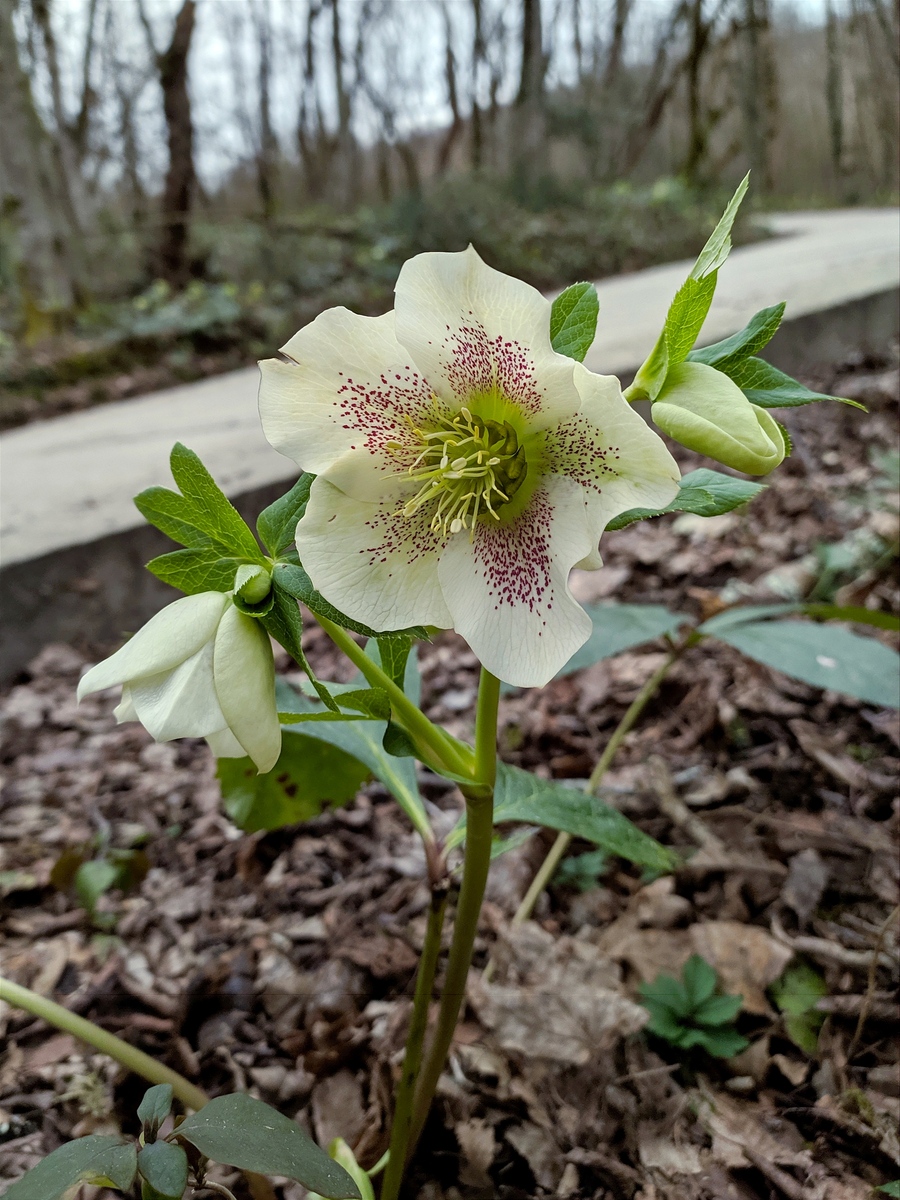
(745, 957)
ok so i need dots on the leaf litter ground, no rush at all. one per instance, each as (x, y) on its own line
(284, 962)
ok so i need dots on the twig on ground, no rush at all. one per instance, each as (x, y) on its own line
(872, 982)
(826, 951)
(677, 811)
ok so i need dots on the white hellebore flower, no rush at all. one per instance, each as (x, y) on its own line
(199, 668)
(464, 467)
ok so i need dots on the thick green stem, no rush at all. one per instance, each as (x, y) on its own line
(107, 1043)
(412, 718)
(415, 1042)
(479, 832)
(548, 867)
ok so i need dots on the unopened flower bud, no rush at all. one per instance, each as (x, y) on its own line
(706, 411)
(252, 583)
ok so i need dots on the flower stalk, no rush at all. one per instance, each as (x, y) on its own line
(107, 1043)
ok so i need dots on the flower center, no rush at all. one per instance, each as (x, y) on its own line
(468, 468)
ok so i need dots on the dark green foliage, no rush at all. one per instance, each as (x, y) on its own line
(688, 1012)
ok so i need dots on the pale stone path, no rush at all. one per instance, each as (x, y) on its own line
(70, 480)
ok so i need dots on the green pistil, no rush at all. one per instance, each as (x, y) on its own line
(468, 469)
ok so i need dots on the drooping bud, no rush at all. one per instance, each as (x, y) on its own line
(706, 411)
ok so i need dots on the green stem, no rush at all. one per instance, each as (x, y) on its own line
(415, 1041)
(479, 832)
(107, 1043)
(412, 717)
(548, 867)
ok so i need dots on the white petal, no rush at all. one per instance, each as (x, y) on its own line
(181, 702)
(471, 329)
(613, 453)
(245, 684)
(371, 562)
(508, 589)
(167, 639)
(125, 710)
(225, 745)
(349, 387)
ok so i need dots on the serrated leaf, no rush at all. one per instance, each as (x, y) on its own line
(685, 318)
(718, 247)
(521, 796)
(573, 320)
(214, 513)
(699, 980)
(195, 570)
(767, 387)
(703, 492)
(717, 1010)
(277, 524)
(309, 776)
(371, 702)
(82, 1161)
(284, 623)
(156, 1105)
(618, 627)
(363, 740)
(758, 332)
(242, 1132)
(394, 653)
(165, 1167)
(174, 516)
(825, 656)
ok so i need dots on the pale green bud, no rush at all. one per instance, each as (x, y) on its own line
(252, 583)
(706, 411)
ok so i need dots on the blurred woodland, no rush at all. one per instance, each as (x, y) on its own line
(183, 182)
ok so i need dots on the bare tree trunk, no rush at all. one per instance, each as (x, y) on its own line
(759, 96)
(315, 146)
(178, 192)
(81, 128)
(456, 125)
(697, 126)
(478, 58)
(34, 192)
(528, 116)
(834, 89)
(267, 151)
(622, 12)
(346, 183)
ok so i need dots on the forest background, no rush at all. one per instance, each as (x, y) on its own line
(185, 182)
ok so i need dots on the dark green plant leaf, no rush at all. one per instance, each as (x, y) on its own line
(890, 1189)
(193, 571)
(704, 492)
(720, 1043)
(686, 316)
(284, 623)
(582, 871)
(717, 1010)
(796, 994)
(174, 516)
(767, 387)
(92, 879)
(826, 656)
(663, 1022)
(371, 702)
(213, 512)
(397, 742)
(667, 992)
(573, 320)
(277, 524)
(165, 1167)
(154, 1108)
(242, 1132)
(853, 612)
(107, 1161)
(758, 332)
(310, 776)
(521, 796)
(699, 980)
(618, 627)
(394, 653)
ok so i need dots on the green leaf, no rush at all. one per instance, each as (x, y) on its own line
(890, 1189)
(758, 332)
(686, 316)
(721, 1043)
(242, 1132)
(825, 656)
(155, 1107)
(582, 871)
(174, 516)
(853, 612)
(310, 775)
(718, 247)
(277, 524)
(521, 796)
(195, 570)
(165, 1167)
(214, 513)
(573, 320)
(796, 994)
(394, 653)
(363, 740)
(397, 741)
(92, 879)
(745, 614)
(767, 387)
(105, 1160)
(663, 1021)
(699, 980)
(717, 1010)
(371, 702)
(284, 623)
(704, 492)
(618, 627)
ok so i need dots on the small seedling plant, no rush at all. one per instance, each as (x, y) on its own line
(458, 460)
(691, 1011)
